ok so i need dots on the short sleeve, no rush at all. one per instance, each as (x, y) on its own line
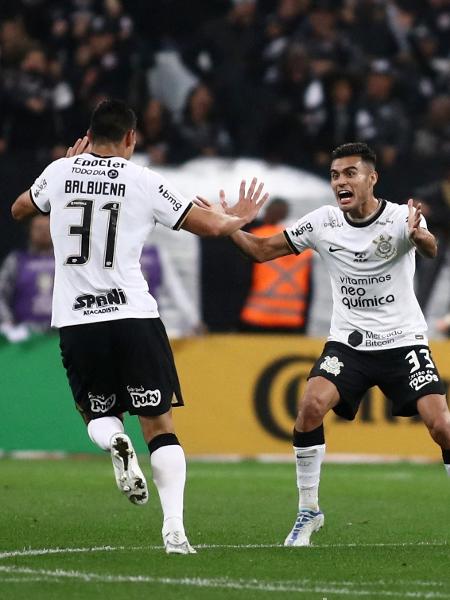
(40, 191)
(302, 234)
(170, 207)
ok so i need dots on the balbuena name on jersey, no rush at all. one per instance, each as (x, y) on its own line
(371, 266)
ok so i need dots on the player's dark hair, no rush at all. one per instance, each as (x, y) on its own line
(356, 149)
(111, 120)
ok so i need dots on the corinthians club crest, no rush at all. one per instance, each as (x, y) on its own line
(385, 249)
(332, 364)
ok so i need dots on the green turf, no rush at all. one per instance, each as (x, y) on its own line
(387, 534)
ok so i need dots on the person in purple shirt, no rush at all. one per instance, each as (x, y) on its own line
(26, 285)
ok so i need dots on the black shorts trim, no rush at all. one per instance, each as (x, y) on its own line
(404, 375)
(120, 366)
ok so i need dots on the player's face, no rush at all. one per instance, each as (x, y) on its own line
(352, 181)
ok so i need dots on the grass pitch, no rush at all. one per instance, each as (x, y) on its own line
(67, 533)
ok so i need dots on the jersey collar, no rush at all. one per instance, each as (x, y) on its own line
(101, 155)
(373, 218)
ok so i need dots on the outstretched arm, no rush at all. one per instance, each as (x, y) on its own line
(423, 240)
(261, 249)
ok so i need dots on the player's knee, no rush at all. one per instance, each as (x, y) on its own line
(440, 428)
(312, 407)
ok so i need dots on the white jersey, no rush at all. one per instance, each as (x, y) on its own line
(371, 265)
(102, 210)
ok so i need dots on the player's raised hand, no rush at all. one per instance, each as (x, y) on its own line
(414, 216)
(249, 203)
(80, 146)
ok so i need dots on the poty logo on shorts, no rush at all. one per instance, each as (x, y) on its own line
(331, 364)
(421, 379)
(99, 404)
(173, 201)
(141, 397)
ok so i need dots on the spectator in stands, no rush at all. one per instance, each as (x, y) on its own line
(368, 25)
(200, 133)
(279, 296)
(382, 122)
(294, 110)
(226, 53)
(14, 42)
(435, 200)
(326, 45)
(156, 132)
(28, 95)
(340, 120)
(26, 285)
(381, 118)
(432, 137)
(109, 70)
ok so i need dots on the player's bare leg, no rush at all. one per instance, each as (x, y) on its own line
(435, 414)
(108, 434)
(309, 449)
(169, 474)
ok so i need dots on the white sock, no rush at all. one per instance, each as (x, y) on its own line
(447, 468)
(169, 474)
(308, 462)
(101, 431)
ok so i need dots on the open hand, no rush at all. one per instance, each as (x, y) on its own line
(80, 146)
(247, 206)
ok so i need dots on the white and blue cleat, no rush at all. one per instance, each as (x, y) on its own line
(307, 522)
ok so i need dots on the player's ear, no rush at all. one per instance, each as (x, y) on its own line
(373, 177)
(89, 135)
(130, 138)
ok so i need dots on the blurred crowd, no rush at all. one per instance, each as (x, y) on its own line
(282, 80)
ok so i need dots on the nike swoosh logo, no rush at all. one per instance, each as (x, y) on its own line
(419, 387)
(331, 249)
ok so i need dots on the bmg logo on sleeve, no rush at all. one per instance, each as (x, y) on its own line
(173, 201)
(300, 230)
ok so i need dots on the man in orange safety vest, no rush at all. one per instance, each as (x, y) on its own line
(280, 290)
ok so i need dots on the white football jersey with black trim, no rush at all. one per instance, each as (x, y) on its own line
(102, 210)
(371, 266)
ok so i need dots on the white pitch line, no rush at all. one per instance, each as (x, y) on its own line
(219, 583)
(44, 551)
